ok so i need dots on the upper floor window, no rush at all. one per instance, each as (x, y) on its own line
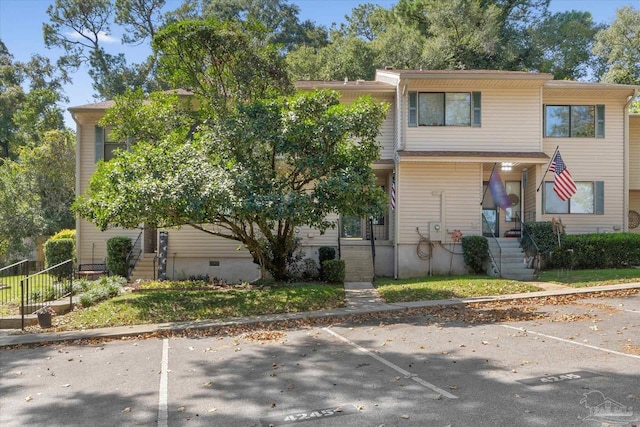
(105, 145)
(444, 109)
(574, 121)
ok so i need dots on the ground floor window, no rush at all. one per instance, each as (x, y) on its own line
(589, 199)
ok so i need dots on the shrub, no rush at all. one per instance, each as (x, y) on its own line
(333, 270)
(475, 250)
(325, 253)
(544, 236)
(64, 234)
(56, 252)
(102, 289)
(583, 251)
(117, 250)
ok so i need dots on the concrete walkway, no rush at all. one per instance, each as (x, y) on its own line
(362, 298)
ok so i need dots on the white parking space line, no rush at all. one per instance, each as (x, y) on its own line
(606, 350)
(632, 311)
(163, 399)
(393, 366)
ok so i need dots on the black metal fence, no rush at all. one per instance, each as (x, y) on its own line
(10, 294)
(42, 289)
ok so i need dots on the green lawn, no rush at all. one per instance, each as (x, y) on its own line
(158, 306)
(446, 287)
(585, 278)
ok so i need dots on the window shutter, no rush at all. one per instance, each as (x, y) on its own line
(413, 109)
(600, 121)
(476, 104)
(599, 197)
(99, 147)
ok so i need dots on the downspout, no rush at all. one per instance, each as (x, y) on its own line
(396, 170)
(625, 202)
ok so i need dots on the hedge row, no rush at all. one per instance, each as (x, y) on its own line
(608, 250)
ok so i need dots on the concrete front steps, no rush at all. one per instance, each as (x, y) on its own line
(511, 259)
(358, 263)
(144, 269)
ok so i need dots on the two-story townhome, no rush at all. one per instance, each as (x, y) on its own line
(444, 135)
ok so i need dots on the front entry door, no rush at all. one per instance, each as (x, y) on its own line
(491, 226)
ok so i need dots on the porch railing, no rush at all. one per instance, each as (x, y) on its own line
(41, 289)
(496, 261)
(134, 255)
(372, 238)
(530, 246)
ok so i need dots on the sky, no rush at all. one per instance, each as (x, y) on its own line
(21, 30)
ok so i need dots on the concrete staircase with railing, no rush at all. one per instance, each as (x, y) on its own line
(510, 259)
(358, 263)
(144, 269)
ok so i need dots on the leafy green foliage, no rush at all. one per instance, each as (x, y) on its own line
(544, 236)
(57, 251)
(224, 62)
(254, 174)
(618, 48)
(333, 270)
(475, 250)
(64, 234)
(117, 250)
(603, 250)
(100, 290)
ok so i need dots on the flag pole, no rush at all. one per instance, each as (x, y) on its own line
(545, 172)
(485, 190)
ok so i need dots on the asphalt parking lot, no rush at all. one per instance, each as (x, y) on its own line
(542, 365)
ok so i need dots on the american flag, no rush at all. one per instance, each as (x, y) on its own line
(563, 184)
(393, 192)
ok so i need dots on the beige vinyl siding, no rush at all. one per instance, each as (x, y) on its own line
(420, 202)
(511, 121)
(593, 159)
(87, 140)
(387, 130)
(312, 237)
(634, 152)
(529, 198)
(192, 243)
(92, 243)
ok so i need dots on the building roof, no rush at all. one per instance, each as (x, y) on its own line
(465, 74)
(103, 105)
(363, 85)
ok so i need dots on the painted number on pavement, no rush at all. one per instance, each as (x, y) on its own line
(306, 416)
(552, 379)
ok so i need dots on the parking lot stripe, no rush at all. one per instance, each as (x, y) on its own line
(163, 399)
(393, 366)
(606, 350)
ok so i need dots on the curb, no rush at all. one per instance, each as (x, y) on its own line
(324, 316)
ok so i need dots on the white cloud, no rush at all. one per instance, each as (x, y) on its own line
(102, 36)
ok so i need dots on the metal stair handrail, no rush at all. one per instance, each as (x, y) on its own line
(497, 264)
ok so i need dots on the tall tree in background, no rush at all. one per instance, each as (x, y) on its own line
(618, 48)
(81, 28)
(561, 45)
